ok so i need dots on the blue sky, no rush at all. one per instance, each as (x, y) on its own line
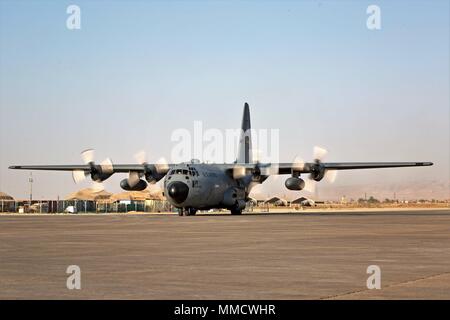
(136, 71)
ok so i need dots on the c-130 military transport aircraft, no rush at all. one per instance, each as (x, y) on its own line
(201, 186)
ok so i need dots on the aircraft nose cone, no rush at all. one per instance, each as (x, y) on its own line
(178, 191)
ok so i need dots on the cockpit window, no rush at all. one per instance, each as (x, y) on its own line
(194, 172)
(185, 172)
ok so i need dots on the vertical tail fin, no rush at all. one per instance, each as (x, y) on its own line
(245, 141)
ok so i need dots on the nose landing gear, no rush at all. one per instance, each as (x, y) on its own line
(187, 212)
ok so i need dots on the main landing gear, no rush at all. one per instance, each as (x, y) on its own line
(187, 212)
(235, 211)
(237, 208)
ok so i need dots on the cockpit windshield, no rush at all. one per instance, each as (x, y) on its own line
(192, 172)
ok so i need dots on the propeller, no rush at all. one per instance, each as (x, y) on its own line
(238, 172)
(133, 176)
(331, 175)
(88, 156)
(97, 186)
(107, 166)
(270, 169)
(161, 167)
(319, 154)
(263, 166)
(310, 185)
(297, 165)
(106, 169)
(79, 175)
(263, 169)
(141, 157)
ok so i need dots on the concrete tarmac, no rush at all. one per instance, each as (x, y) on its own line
(258, 256)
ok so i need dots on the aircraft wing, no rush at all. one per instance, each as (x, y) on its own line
(270, 168)
(308, 167)
(86, 167)
(286, 168)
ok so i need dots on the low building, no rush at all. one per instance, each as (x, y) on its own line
(101, 201)
(142, 201)
(87, 200)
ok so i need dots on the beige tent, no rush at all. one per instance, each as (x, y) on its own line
(147, 194)
(90, 194)
(299, 200)
(276, 201)
(5, 197)
(7, 203)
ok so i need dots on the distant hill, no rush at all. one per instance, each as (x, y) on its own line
(401, 191)
(432, 189)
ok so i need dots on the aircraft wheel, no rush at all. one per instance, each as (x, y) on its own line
(236, 211)
(191, 212)
(180, 212)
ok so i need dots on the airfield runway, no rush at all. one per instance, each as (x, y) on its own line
(258, 256)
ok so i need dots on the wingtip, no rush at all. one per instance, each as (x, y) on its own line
(13, 167)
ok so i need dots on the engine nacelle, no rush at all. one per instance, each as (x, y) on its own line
(98, 174)
(317, 172)
(99, 177)
(141, 185)
(294, 183)
(152, 175)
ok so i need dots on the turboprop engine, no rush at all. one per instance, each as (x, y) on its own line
(153, 174)
(317, 171)
(99, 173)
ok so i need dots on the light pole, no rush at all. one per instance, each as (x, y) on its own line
(30, 180)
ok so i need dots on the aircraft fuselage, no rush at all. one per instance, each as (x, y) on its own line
(204, 186)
